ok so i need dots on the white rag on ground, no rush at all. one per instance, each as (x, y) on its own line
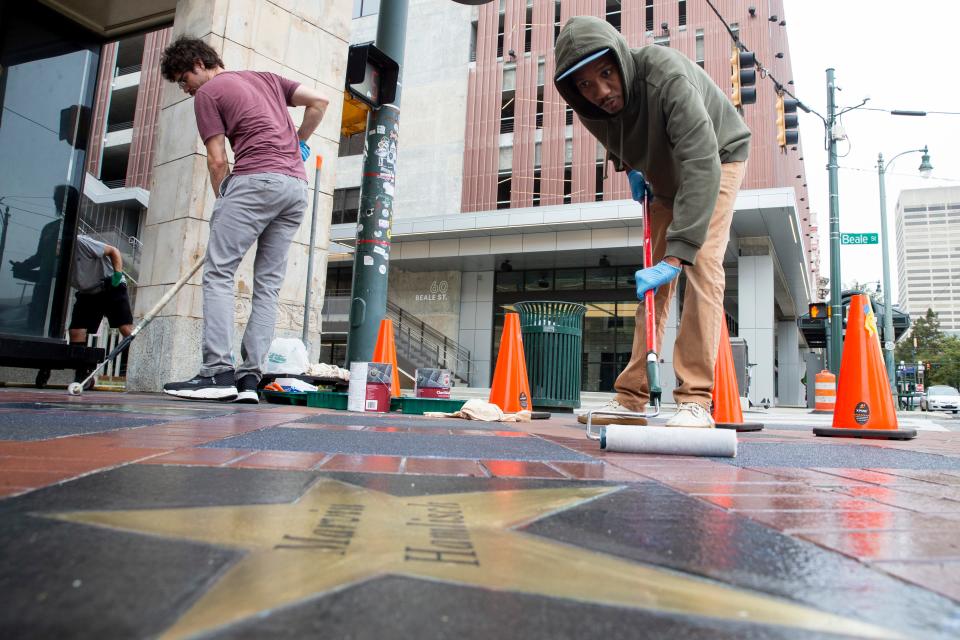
(476, 409)
(321, 370)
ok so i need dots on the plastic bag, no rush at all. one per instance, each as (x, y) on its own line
(286, 355)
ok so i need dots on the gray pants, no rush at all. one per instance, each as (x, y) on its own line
(265, 208)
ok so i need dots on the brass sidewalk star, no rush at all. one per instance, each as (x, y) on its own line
(337, 535)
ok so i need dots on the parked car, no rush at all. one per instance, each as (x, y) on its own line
(941, 398)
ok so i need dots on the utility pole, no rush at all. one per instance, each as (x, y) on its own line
(835, 319)
(3, 234)
(371, 266)
(888, 335)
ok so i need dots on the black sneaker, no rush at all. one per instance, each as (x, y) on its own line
(221, 386)
(247, 390)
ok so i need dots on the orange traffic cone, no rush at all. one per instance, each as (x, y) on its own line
(726, 392)
(386, 352)
(511, 388)
(864, 407)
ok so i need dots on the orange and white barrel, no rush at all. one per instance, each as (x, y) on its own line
(825, 392)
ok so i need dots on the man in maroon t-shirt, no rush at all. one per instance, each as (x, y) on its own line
(262, 200)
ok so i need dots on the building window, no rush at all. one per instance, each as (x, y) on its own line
(556, 21)
(648, 15)
(339, 281)
(500, 36)
(346, 202)
(682, 7)
(528, 31)
(700, 48)
(504, 178)
(539, 121)
(536, 188)
(506, 112)
(598, 195)
(567, 184)
(613, 13)
(473, 41)
(351, 145)
(365, 8)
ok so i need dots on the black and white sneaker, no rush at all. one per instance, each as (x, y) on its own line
(222, 386)
(247, 390)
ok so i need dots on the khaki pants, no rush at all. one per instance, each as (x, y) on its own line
(698, 339)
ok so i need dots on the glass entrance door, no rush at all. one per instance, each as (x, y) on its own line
(47, 72)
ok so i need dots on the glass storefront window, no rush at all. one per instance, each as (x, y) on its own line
(569, 280)
(625, 278)
(601, 278)
(47, 83)
(509, 281)
(607, 343)
(538, 280)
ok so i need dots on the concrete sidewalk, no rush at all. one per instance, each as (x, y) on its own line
(131, 515)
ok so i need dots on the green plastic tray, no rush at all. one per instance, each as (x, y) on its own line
(285, 397)
(327, 400)
(418, 406)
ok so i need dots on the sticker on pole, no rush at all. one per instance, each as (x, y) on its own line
(861, 413)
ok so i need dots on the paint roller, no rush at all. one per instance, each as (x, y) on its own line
(676, 441)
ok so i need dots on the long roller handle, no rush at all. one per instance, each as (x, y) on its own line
(165, 298)
(653, 361)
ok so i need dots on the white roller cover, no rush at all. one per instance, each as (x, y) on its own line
(676, 441)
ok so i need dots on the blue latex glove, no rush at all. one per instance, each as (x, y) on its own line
(638, 186)
(304, 151)
(118, 278)
(654, 277)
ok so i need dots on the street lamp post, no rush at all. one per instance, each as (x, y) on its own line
(925, 169)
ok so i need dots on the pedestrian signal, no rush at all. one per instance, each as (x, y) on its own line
(818, 311)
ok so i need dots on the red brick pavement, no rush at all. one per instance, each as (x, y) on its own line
(900, 521)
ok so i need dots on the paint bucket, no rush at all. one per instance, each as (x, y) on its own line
(369, 386)
(432, 383)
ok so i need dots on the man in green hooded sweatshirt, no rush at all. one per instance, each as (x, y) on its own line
(663, 119)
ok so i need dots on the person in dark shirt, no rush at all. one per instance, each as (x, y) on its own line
(101, 287)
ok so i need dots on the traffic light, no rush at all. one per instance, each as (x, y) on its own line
(787, 122)
(818, 310)
(743, 76)
(371, 75)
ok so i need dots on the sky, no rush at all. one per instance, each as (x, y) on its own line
(902, 55)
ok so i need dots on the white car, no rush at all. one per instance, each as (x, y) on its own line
(941, 398)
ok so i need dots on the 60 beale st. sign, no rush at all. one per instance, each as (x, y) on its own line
(859, 238)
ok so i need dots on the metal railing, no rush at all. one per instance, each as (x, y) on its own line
(119, 126)
(133, 68)
(423, 345)
(416, 341)
(130, 246)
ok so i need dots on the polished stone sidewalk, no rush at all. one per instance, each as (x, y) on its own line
(126, 515)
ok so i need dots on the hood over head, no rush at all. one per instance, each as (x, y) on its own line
(581, 38)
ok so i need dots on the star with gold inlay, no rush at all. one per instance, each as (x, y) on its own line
(338, 534)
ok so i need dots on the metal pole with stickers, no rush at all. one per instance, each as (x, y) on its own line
(373, 79)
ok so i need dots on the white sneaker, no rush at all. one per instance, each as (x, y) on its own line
(612, 406)
(691, 414)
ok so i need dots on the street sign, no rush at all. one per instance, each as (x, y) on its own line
(859, 238)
